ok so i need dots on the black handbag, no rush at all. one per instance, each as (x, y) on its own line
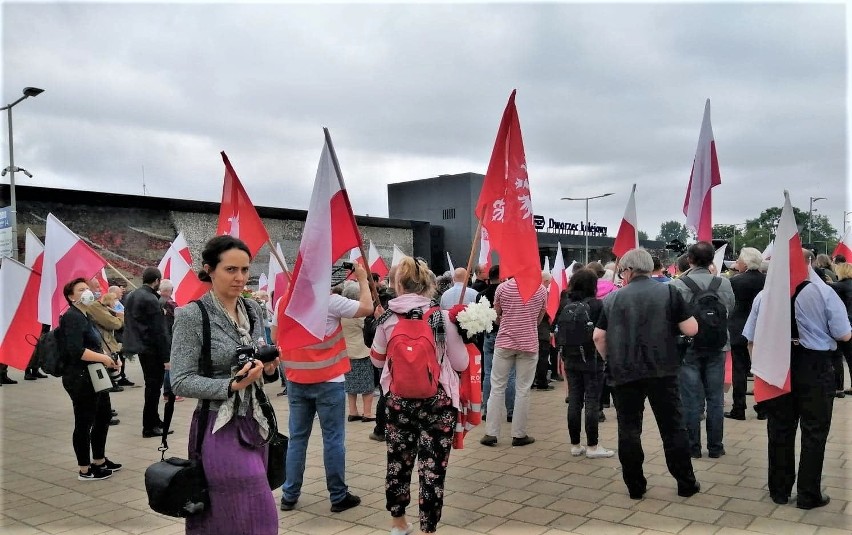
(276, 461)
(177, 487)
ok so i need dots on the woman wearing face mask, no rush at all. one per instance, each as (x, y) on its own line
(81, 346)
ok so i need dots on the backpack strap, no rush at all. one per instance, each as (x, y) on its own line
(794, 327)
(250, 313)
(692, 285)
(715, 284)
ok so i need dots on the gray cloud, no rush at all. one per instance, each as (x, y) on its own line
(608, 95)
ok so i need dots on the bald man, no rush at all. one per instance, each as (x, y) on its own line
(451, 296)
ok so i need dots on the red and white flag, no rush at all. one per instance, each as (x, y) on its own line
(176, 265)
(770, 359)
(484, 251)
(279, 277)
(377, 263)
(19, 325)
(845, 246)
(398, 255)
(237, 215)
(719, 259)
(505, 206)
(546, 266)
(103, 282)
(66, 257)
(263, 283)
(559, 281)
(628, 232)
(355, 257)
(329, 232)
(33, 252)
(705, 175)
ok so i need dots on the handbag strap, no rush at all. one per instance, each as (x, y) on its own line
(205, 366)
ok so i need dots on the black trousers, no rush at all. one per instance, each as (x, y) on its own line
(584, 392)
(664, 397)
(543, 364)
(91, 417)
(381, 415)
(154, 373)
(740, 366)
(845, 349)
(808, 406)
(837, 364)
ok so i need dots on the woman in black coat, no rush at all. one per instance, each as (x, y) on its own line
(843, 287)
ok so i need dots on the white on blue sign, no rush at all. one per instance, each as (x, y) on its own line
(5, 231)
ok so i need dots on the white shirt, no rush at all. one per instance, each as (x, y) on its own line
(451, 296)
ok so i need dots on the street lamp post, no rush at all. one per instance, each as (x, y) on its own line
(586, 223)
(28, 92)
(734, 238)
(810, 214)
(845, 215)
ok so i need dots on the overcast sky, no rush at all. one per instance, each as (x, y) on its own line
(608, 95)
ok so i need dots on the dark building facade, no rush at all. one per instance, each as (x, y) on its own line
(448, 202)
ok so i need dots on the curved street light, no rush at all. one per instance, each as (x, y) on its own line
(586, 223)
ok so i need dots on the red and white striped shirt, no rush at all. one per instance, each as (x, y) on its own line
(518, 320)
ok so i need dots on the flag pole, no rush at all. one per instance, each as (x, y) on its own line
(277, 256)
(339, 174)
(473, 249)
(120, 274)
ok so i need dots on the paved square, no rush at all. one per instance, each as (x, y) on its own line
(536, 489)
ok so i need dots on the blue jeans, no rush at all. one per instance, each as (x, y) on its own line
(701, 380)
(487, 358)
(328, 400)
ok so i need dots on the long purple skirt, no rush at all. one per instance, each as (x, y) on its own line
(240, 499)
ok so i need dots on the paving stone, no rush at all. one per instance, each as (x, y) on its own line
(780, 527)
(691, 512)
(657, 522)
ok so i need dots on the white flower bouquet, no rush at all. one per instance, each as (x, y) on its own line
(477, 318)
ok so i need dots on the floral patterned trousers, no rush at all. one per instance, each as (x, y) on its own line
(421, 428)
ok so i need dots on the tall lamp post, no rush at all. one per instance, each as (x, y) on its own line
(734, 238)
(28, 92)
(810, 215)
(845, 215)
(586, 224)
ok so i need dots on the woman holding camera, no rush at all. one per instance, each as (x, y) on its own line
(233, 452)
(81, 346)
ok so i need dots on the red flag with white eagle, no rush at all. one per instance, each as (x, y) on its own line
(176, 265)
(505, 206)
(770, 359)
(66, 257)
(377, 263)
(697, 205)
(628, 232)
(19, 324)
(329, 232)
(845, 246)
(237, 215)
(484, 251)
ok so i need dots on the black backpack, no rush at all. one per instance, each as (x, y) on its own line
(711, 314)
(49, 353)
(574, 325)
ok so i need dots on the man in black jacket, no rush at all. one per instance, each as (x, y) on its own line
(746, 286)
(145, 335)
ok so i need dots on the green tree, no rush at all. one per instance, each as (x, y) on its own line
(732, 233)
(760, 230)
(671, 230)
(643, 235)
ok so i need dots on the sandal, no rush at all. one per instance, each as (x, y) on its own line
(354, 418)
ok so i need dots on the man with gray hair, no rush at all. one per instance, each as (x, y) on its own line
(636, 334)
(746, 286)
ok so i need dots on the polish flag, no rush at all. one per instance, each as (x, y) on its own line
(263, 283)
(397, 256)
(66, 257)
(237, 215)
(279, 277)
(705, 175)
(505, 206)
(103, 282)
(628, 232)
(719, 258)
(546, 266)
(559, 281)
(450, 263)
(377, 263)
(767, 253)
(355, 257)
(845, 246)
(329, 232)
(19, 323)
(569, 271)
(176, 265)
(484, 250)
(770, 359)
(33, 252)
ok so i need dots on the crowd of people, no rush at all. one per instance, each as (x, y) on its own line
(626, 331)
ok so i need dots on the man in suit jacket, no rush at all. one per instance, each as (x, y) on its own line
(746, 286)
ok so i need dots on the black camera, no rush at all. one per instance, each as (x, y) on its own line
(347, 265)
(249, 353)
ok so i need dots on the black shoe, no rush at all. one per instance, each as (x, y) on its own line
(848, 392)
(566, 399)
(638, 495)
(780, 500)
(348, 502)
(29, 376)
(287, 506)
(38, 374)
(117, 388)
(557, 378)
(522, 441)
(109, 465)
(354, 418)
(377, 437)
(761, 416)
(545, 387)
(716, 454)
(838, 394)
(735, 415)
(6, 381)
(601, 417)
(695, 455)
(282, 393)
(488, 440)
(509, 418)
(114, 421)
(95, 473)
(686, 493)
(822, 502)
(113, 413)
(155, 432)
(124, 381)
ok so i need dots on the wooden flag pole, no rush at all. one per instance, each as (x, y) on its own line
(473, 250)
(339, 174)
(120, 274)
(277, 256)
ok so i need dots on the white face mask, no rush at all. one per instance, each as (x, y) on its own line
(87, 297)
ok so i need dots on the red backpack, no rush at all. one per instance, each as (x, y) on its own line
(412, 356)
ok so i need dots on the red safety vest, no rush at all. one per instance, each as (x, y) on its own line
(319, 362)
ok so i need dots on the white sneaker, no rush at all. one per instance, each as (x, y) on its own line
(578, 450)
(599, 453)
(399, 531)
